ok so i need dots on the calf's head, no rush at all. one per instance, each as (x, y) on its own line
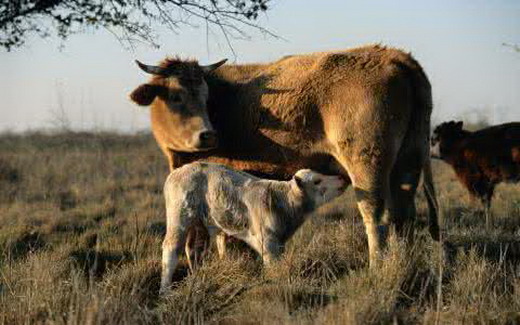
(178, 94)
(318, 188)
(443, 138)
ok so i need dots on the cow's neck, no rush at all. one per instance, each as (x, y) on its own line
(455, 147)
(233, 110)
(249, 137)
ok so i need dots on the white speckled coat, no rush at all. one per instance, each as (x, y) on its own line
(262, 213)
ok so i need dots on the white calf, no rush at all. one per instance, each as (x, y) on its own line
(262, 213)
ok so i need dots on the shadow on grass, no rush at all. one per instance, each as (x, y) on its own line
(308, 300)
(8, 172)
(157, 228)
(503, 247)
(95, 263)
(28, 242)
(492, 250)
(475, 216)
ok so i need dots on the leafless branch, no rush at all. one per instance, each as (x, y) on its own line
(128, 20)
(515, 47)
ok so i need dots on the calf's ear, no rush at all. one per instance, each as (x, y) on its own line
(298, 181)
(144, 94)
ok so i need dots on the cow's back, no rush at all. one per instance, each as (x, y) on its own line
(493, 153)
(298, 87)
(496, 141)
(278, 117)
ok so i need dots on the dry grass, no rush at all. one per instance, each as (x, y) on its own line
(82, 220)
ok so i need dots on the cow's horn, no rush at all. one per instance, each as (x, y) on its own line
(211, 67)
(151, 69)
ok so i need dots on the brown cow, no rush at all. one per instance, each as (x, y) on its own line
(363, 113)
(481, 159)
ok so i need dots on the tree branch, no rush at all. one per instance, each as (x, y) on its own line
(128, 20)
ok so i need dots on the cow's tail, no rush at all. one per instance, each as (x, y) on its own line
(431, 198)
(421, 125)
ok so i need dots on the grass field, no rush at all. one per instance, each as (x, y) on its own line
(82, 221)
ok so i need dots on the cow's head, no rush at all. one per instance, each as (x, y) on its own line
(443, 138)
(178, 94)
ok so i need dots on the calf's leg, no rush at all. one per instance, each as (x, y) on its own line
(221, 244)
(172, 246)
(197, 243)
(265, 245)
(272, 250)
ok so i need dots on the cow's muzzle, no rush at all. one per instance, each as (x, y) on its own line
(206, 140)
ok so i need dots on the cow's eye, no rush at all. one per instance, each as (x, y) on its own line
(317, 182)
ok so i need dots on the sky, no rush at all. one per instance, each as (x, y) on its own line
(85, 85)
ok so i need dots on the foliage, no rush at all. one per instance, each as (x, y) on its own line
(129, 20)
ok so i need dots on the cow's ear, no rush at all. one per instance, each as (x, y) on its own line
(459, 125)
(144, 94)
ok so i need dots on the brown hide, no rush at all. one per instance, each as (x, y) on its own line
(481, 159)
(363, 113)
(303, 111)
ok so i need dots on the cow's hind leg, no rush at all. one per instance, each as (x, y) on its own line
(370, 181)
(401, 210)
(486, 202)
(371, 203)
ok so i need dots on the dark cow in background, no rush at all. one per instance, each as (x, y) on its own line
(481, 159)
(363, 113)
